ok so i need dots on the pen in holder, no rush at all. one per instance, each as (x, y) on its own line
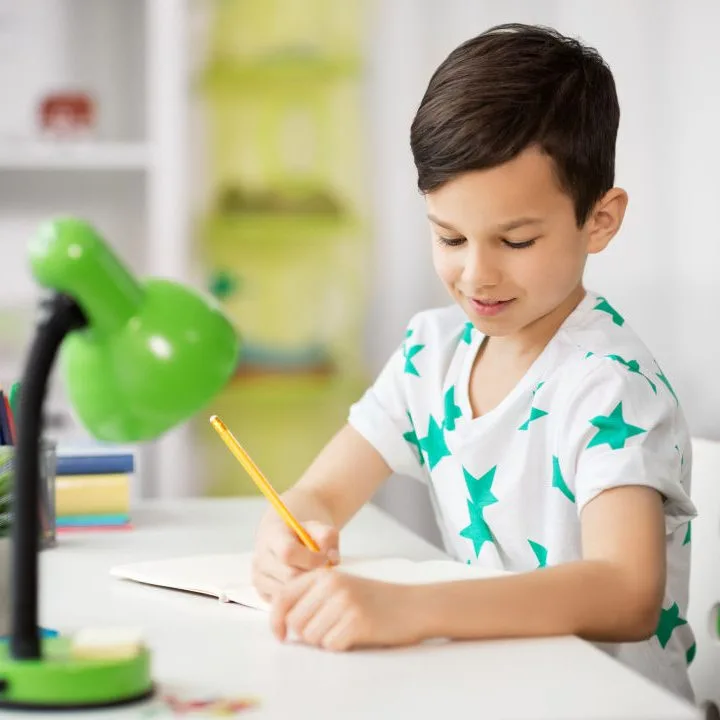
(46, 509)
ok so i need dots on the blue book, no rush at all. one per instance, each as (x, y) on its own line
(95, 464)
(91, 520)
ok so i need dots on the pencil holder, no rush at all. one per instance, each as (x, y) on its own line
(47, 492)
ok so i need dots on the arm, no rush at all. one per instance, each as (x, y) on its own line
(341, 479)
(613, 594)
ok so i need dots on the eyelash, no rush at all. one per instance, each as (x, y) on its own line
(455, 242)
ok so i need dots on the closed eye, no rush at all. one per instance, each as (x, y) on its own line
(450, 241)
(456, 241)
(520, 245)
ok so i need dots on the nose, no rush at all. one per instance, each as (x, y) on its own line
(482, 266)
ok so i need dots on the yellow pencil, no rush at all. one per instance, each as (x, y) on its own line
(262, 482)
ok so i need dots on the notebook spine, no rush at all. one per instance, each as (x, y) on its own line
(94, 464)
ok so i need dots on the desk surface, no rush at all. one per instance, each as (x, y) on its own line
(200, 644)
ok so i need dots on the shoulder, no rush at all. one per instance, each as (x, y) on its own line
(599, 351)
(599, 328)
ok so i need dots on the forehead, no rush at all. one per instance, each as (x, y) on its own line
(524, 186)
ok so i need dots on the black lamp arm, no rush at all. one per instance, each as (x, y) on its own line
(60, 316)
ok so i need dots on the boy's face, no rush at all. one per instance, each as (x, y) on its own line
(506, 244)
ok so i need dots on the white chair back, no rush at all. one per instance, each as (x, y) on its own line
(704, 598)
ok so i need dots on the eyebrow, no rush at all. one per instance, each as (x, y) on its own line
(505, 227)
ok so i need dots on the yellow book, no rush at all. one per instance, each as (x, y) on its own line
(92, 494)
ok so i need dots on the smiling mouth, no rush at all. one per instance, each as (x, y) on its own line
(489, 308)
(489, 302)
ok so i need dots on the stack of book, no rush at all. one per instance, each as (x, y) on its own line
(92, 491)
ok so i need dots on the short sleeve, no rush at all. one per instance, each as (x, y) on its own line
(382, 417)
(618, 429)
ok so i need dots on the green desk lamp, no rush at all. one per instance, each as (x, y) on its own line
(138, 358)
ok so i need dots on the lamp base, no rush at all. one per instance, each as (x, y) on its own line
(59, 681)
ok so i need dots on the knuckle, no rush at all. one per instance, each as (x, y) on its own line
(285, 550)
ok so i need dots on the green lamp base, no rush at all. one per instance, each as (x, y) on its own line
(60, 681)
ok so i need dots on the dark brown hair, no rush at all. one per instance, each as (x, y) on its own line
(515, 86)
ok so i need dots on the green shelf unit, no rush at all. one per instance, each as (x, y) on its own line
(281, 136)
(284, 240)
(247, 28)
(299, 280)
(286, 70)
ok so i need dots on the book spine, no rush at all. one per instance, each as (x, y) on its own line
(92, 495)
(94, 464)
(103, 520)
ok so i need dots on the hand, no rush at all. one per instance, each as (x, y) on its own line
(281, 556)
(336, 611)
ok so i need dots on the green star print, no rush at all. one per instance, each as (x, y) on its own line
(667, 384)
(669, 620)
(411, 438)
(535, 414)
(559, 482)
(688, 534)
(467, 333)
(434, 443)
(690, 654)
(540, 553)
(479, 488)
(605, 306)
(634, 367)
(452, 411)
(537, 387)
(409, 354)
(478, 530)
(613, 430)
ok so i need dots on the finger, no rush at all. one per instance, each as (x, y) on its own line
(285, 600)
(322, 621)
(309, 605)
(270, 564)
(341, 636)
(327, 538)
(266, 586)
(290, 551)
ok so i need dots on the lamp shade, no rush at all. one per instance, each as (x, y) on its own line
(153, 352)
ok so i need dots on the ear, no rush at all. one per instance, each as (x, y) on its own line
(606, 219)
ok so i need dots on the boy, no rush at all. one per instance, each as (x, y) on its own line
(551, 441)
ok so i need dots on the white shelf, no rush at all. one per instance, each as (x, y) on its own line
(74, 156)
(129, 179)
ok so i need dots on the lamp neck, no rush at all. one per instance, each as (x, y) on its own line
(109, 299)
(70, 257)
(61, 315)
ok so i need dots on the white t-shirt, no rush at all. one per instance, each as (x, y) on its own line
(594, 411)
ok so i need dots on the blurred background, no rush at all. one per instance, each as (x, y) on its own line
(258, 150)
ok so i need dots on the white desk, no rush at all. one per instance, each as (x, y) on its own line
(198, 642)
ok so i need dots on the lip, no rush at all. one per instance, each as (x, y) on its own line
(488, 308)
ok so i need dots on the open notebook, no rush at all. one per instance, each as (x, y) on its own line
(227, 576)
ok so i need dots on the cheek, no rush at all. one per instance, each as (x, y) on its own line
(444, 265)
(561, 268)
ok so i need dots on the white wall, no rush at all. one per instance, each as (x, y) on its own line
(661, 270)
(662, 266)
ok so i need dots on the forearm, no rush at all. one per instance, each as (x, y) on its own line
(592, 599)
(342, 478)
(305, 504)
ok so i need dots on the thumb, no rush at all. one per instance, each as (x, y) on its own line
(327, 538)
